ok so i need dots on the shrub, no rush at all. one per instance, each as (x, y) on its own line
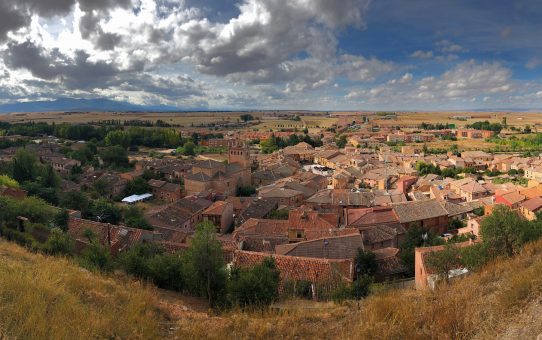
(256, 286)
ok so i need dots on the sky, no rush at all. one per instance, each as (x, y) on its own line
(275, 54)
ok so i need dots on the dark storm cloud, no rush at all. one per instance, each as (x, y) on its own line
(77, 72)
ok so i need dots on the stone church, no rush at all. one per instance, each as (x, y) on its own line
(221, 177)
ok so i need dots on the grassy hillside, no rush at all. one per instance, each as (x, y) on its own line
(45, 298)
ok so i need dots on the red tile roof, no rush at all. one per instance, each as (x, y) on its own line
(300, 268)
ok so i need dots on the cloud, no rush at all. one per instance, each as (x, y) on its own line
(422, 55)
(16, 14)
(446, 46)
(533, 63)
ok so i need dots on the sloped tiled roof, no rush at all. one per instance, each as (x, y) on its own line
(300, 268)
(418, 210)
(340, 247)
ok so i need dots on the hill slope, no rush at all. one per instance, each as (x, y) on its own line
(45, 298)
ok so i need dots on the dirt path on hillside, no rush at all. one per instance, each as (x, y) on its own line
(528, 324)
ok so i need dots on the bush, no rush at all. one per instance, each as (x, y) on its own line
(151, 262)
(59, 243)
(96, 257)
(256, 286)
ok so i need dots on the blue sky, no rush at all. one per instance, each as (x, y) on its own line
(276, 54)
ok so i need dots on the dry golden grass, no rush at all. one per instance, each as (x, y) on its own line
(46, 298)
(50, 298)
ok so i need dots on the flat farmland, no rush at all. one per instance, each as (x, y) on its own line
(179, 118)
(519, 119)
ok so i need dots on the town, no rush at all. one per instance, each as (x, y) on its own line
(339, 209)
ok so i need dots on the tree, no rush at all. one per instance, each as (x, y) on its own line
(61, 220)
(23, 166)
(75, 200)
(256, 286)
(204, 265)
(246, 191)
(118, 137)
(416, 236)
(246, 117)
(341, 142)
(366, 263)
(504, 231)
(442, 261)
(115, 156)
(189, 149)
(269, 145)
(103, 211)
(152, 262)
(134, 218)
(137, 186)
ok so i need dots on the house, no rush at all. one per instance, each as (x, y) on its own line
(305, 223)
(302, 152)
(404, 183)
(530, 208)
(165, 191)
(370, 217)
(284, 196)
(61, 164)
(534, 172)
(336, 200)
(261, 235)
(510, 198)
(338, 247)
(116, 239)
(220, 214)
(256, 208)
(472, 228)
(181, 215)
(425, 276)
(428, 214)
(323, 275)
(389, 265)
(111, 183)
(456, 211)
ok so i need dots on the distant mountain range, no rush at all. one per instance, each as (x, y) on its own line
(78, 105)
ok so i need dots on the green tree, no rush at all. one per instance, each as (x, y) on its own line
(204, 266)
(416, 236)
(118, 137)
(341, 142)
(366, 263)
(75, 200)
(134, 218)
(504, 232)
(444, 260)
(104, 211)
(23, 166)
(246, 191)
(61, 220)
(189, 149)
(115, 156)
(256, 286)
(137, 186)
